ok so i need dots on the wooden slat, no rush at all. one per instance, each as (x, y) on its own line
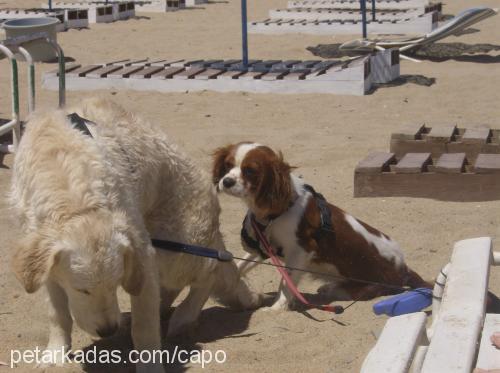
(458, 325)
(476, 135)
(209, 74)
(451, 163)
(295, 76)
(487, 164)
(394, 350)
(68, 68)
(489, 355)
(103, 71)
(375, 163)
(410, 131)
(252, 75)
(413, 163)
(274, 75)
(81, 71)
(165, 62)
(147, 72)
(442, 133)
(189, 73)
(130, 62)
(167, 73)
(231, 74)
(125, 72)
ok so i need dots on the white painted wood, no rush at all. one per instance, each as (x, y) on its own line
(418, 25)
(394, 350)
(354, 4)
(454, 341)
(312, 14)
(489, 355)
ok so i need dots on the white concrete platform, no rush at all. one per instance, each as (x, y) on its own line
(419, 25)
(354, 77)
(69, 18)
(325, 14)
(99, 11)
(354, 4)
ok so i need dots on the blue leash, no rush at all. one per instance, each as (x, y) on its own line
(223, 256)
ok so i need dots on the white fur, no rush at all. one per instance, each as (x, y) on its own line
(387, 248)
(89, 207)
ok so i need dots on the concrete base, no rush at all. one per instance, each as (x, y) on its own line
(313, 14)
(419, 25)
(119, 10)
(354, 4)
(350, 78)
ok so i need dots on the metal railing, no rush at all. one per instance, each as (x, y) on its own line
(9, 47)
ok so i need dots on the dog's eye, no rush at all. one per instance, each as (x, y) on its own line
(249, 172)
(84, 291)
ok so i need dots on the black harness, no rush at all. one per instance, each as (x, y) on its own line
(326, 225)
(80, 123)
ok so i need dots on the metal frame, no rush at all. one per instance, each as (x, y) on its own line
(9, 47)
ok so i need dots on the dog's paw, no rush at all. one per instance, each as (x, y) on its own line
(51, 358)
(252, 301)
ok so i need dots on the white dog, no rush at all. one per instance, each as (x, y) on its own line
(90, 203)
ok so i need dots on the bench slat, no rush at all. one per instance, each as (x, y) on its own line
(394, 350)
(489, 355)
(456, 332)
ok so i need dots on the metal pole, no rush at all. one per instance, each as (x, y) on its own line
(363, 17)
(50, 4)
(373, 10)
(244, 33)
(31, 78)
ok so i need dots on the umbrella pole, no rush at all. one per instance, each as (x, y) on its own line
(244, 33)
(373, 10)
(363, 17)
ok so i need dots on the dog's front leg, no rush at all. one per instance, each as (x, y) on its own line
(60, 321)
(146, 333)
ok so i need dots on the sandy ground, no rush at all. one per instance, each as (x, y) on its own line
(323, 135)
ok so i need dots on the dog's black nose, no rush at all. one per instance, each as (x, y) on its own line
(107, 331)
(228, 182)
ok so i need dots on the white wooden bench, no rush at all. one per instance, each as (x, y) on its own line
(459, 337)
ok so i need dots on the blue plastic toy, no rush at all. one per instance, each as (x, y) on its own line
(411, 301)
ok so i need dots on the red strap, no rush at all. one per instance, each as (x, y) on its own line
(286, 277)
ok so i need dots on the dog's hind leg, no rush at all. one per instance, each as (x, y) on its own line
(168, 297)
(60, 320)
(186, 314)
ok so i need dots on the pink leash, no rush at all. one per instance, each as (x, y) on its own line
(286, 277)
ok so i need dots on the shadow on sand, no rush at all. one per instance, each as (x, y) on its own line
(214, 323)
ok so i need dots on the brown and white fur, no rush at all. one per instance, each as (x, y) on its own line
(279, 201)
(89, 207)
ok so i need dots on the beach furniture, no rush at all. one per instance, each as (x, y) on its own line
(457, 340)
(459, 23)
(69, 18)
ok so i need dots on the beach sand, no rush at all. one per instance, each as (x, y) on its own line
(324, 136)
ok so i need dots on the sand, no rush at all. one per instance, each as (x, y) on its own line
(323, 135)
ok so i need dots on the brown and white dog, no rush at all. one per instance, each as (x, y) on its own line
(305, 230)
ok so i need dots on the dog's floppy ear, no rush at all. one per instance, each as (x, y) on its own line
(33, 261)
(275, 188)
(219, 162)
